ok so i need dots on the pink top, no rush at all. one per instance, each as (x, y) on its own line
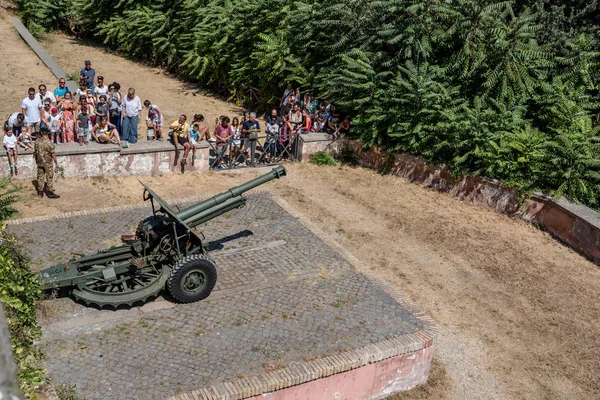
(283, 133)
(222, 132)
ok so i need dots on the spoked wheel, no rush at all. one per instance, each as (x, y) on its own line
(129, 288)
(192, 278)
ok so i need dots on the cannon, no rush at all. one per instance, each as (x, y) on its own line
(164, 253)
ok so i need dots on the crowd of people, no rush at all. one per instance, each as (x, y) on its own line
(297, 114)
(98, 111)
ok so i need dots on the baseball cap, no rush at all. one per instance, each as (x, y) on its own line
(54, 109)
(87, 62)
(44, 128)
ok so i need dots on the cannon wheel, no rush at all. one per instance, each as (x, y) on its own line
(192, 278)
(127, 290)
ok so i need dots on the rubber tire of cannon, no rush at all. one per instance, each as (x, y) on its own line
(186, 271)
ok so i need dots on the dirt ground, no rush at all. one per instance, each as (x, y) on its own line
(518, 312)
(172, 96)
(21, 69)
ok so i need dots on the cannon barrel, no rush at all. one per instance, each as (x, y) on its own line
(223, 202)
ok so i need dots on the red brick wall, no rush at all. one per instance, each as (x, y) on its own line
(565, 226)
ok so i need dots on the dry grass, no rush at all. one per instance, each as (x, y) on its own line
(437, 387)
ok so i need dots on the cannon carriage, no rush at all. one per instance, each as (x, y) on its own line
(164, 253)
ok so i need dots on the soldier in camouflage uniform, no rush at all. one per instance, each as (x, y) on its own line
(45, 156)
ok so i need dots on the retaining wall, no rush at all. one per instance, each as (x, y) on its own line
(573, 224)
(143, 158)
(372, 381)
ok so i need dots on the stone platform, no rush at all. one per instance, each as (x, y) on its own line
(289, 317)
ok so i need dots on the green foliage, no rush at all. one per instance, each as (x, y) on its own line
(7, 198)
(322, 158)
(73, 76)
(19, 292)
(487, 87)
(46, 15)
(571, 163)
(570, 153)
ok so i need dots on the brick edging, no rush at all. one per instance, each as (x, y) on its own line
(299, 372)
(108, 210)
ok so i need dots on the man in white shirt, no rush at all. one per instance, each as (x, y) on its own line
(45, 94)
(295, 117)
(131, 112)
(32, 106)
(18, 122)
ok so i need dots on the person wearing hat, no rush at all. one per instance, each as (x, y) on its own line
(54, 122)
(88, 74)
(45, 156)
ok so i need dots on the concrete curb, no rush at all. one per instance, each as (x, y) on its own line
(43, 54)
(108, 210)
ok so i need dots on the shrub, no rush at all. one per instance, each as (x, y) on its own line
(19, 292)
(48, 15)
(322, 158)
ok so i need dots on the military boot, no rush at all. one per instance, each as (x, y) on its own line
(40, 193)
(52, 195)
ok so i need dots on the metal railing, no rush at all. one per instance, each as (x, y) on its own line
(254, 151)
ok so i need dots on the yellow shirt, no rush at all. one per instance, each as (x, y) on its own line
(185, 127)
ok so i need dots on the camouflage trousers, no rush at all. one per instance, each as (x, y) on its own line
(45, 177)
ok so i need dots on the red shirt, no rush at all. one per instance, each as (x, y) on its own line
(307, 124)
(222, 132)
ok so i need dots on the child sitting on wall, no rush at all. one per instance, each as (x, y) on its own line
(194, 139)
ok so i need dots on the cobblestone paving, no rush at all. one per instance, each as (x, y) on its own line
(306, 303)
